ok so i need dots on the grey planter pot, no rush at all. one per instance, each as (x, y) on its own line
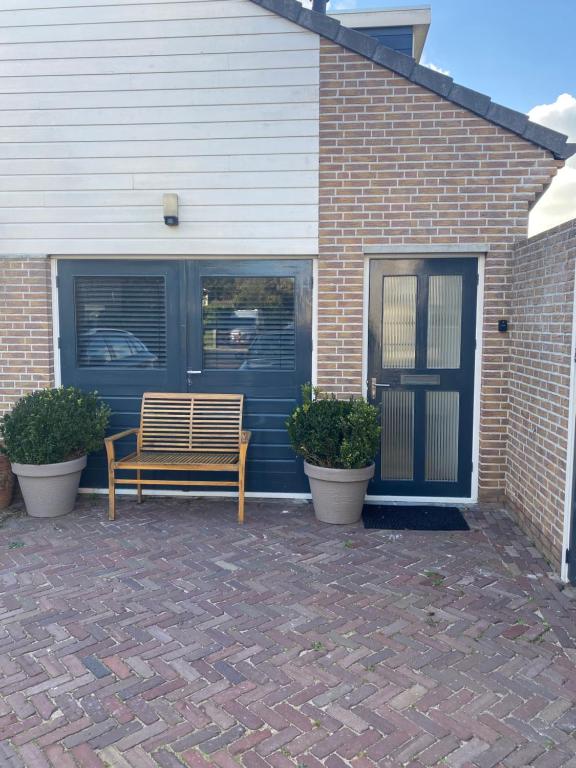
(50, 490)
(338, 494)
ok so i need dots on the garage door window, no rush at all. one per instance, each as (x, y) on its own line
(120, 322)
(248, 323)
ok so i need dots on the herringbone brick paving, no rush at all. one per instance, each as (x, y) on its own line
(174, 637)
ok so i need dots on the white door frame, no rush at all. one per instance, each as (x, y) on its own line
(433, 252)
(55, 322)
(570, 450)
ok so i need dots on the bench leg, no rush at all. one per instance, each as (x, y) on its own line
(111, 495)
(139, 487)
(241, 495)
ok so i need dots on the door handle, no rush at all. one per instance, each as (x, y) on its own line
(374, 386)
(192, 372)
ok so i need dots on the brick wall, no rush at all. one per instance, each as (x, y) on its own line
(25, 328)
(540, 357)
(400, 165)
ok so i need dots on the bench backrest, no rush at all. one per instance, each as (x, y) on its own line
(184, 421)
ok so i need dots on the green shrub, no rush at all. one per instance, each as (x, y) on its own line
(53, 425)
(327, 432)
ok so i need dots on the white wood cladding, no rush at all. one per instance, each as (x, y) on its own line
(108, 104)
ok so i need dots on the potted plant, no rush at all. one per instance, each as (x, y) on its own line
(338, 440)
(46, 437)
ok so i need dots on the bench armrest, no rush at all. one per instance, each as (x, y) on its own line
(109, 441)
(245, 436)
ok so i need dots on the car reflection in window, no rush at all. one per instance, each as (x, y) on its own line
(112, 347)
(272, 350)
(244, 325)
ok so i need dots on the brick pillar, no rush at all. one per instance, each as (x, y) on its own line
(26, 358)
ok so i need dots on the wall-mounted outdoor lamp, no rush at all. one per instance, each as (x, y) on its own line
(170, 207)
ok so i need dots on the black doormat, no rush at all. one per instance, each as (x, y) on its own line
(413, 518)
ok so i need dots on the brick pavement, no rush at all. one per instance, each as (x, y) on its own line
(173, 637)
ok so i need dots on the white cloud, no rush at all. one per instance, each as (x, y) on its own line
(436, 68)
(558, 204)
(560, 115)
(342, 5)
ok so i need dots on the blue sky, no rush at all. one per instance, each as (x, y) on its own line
(519, 52)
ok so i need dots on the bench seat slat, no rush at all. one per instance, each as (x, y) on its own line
(178, 457)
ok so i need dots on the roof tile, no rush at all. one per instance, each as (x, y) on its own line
(357, 41)
(507, 118)
(473, 100)
(546, 137)
(319, 22)
(397, 62)
(289, 9)
(434, 81)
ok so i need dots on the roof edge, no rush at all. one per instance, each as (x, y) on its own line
(475, 102)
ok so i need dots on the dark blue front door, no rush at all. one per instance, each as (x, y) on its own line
(127, 327)
(422, 329)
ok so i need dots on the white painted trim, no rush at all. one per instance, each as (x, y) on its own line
(23, 256)
(570, 450)
(201, 494)
(262, 495)
(365, 322)
(183, 257)
(440, 500)
(449, 250)
(55, 322)
(473, 498)
(314, 322)
(478, 376)
(400, 16)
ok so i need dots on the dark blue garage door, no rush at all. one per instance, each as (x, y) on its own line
(127, 327)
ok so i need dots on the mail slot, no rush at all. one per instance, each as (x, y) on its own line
(429, 379)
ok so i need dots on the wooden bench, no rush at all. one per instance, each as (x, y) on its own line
(183, 432)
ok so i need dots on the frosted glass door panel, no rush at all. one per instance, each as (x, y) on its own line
(444, 321)
(397, 435)
(399, 321)
(442, 421)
